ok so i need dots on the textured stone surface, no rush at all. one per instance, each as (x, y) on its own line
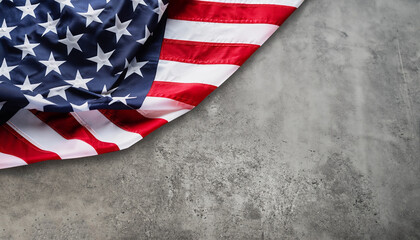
(316, 137)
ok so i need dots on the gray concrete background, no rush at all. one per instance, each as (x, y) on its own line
(316, 137)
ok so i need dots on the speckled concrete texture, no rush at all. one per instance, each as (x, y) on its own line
(316, 137)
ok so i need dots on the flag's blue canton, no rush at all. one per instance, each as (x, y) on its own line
(78, 55)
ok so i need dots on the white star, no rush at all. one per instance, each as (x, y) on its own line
(119, 28)
(137, 2)
(5, 30)
(135, 67)
(38, 102)
(28, 9)
(102, 59)
(160, 10)
(59, 91)
(64, 3)
(79, 82)
(52, 65)
(5, 70)
(50, 25)
(27, 47)
(80, 108)
(27, 86)
(71, 41)
(121, 99)
(107, 93)
(92, 15)
(146, 36)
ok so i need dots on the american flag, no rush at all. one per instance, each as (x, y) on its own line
(80, 78)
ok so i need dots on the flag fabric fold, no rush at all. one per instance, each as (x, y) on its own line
(204, 43)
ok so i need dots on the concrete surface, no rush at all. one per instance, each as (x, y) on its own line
(316, 137)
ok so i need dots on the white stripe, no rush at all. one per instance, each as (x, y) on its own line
(219, 32)
(106, 131)
(44, 137)
(9, 161)
(213, 74)
(292, 3)
(164, 108)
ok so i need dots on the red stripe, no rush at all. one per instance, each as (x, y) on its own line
(229, 12)
(69, 128)
(12, 143)
(189, 93)
(133, 121)
(206, 53)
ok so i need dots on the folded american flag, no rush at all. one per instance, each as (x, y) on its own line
(81, 78)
